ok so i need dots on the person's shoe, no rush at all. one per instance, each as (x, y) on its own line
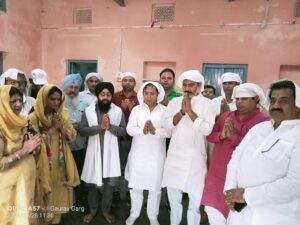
(128, 199)
(116, 199)
(154, 222)
(130, 220)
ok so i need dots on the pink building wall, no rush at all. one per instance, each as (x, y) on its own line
(20, 34)
(121, 38)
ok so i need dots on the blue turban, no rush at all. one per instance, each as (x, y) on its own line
(71, 78)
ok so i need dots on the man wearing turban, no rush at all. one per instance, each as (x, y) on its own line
(102, 122)
(189, 119)
(224, 102)
(90, 82)
(228, 132)
(75, 105)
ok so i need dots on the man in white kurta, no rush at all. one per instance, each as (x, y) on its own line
(148, 151)
(189, 118)
(264, 171)
(88, 94)
(224, 102)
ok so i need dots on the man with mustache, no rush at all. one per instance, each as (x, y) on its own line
(263, 174)
(228, 132)
(224, 102)
(167, 80)
(90, 82)
(75, 105)
(188, 118)
(103, 122)
(126, 99)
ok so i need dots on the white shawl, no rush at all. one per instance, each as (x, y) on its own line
(92, 169)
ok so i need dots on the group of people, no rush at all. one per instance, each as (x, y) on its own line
(235, 154)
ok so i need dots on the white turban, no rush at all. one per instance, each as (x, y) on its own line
(248, 90)
(128, 74)
(193, 75)
(228, 77)
(11, 73)
(92, 74)
(161, 92)
(297, 96)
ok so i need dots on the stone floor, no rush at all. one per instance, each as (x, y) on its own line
(122, 212)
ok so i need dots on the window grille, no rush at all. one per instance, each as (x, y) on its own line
(163, 12)
(82, 16)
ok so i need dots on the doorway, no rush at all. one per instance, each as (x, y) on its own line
(83, 67)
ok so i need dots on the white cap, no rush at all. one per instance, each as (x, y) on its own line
(39, 77)
(248, 90)
(128, 74)
(11, 73)
(228, 77)
(94, 74)
(193, 75)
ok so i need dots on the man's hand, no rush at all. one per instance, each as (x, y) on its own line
(165, 101)
(224, 106)
(76, 126)
(130, 105)
(188, 106)
(187, 100)
(235, 196)
(105, 122)
(124, 104)
(230, 130)
(183, 104)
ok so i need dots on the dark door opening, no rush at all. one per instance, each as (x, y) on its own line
(83, 67)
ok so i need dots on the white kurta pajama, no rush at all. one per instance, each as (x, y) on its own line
(266, 164)
(145, 163)
(146, 159)
(148, 152)
(185, 165)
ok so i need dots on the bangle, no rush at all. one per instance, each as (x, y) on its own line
(17, 156)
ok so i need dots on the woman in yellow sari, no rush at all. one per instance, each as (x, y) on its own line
(17, 165)
(51, 120)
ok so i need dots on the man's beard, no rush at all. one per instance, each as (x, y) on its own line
(104, 106)
(127, 88)
(71, 100)
(191, 95)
